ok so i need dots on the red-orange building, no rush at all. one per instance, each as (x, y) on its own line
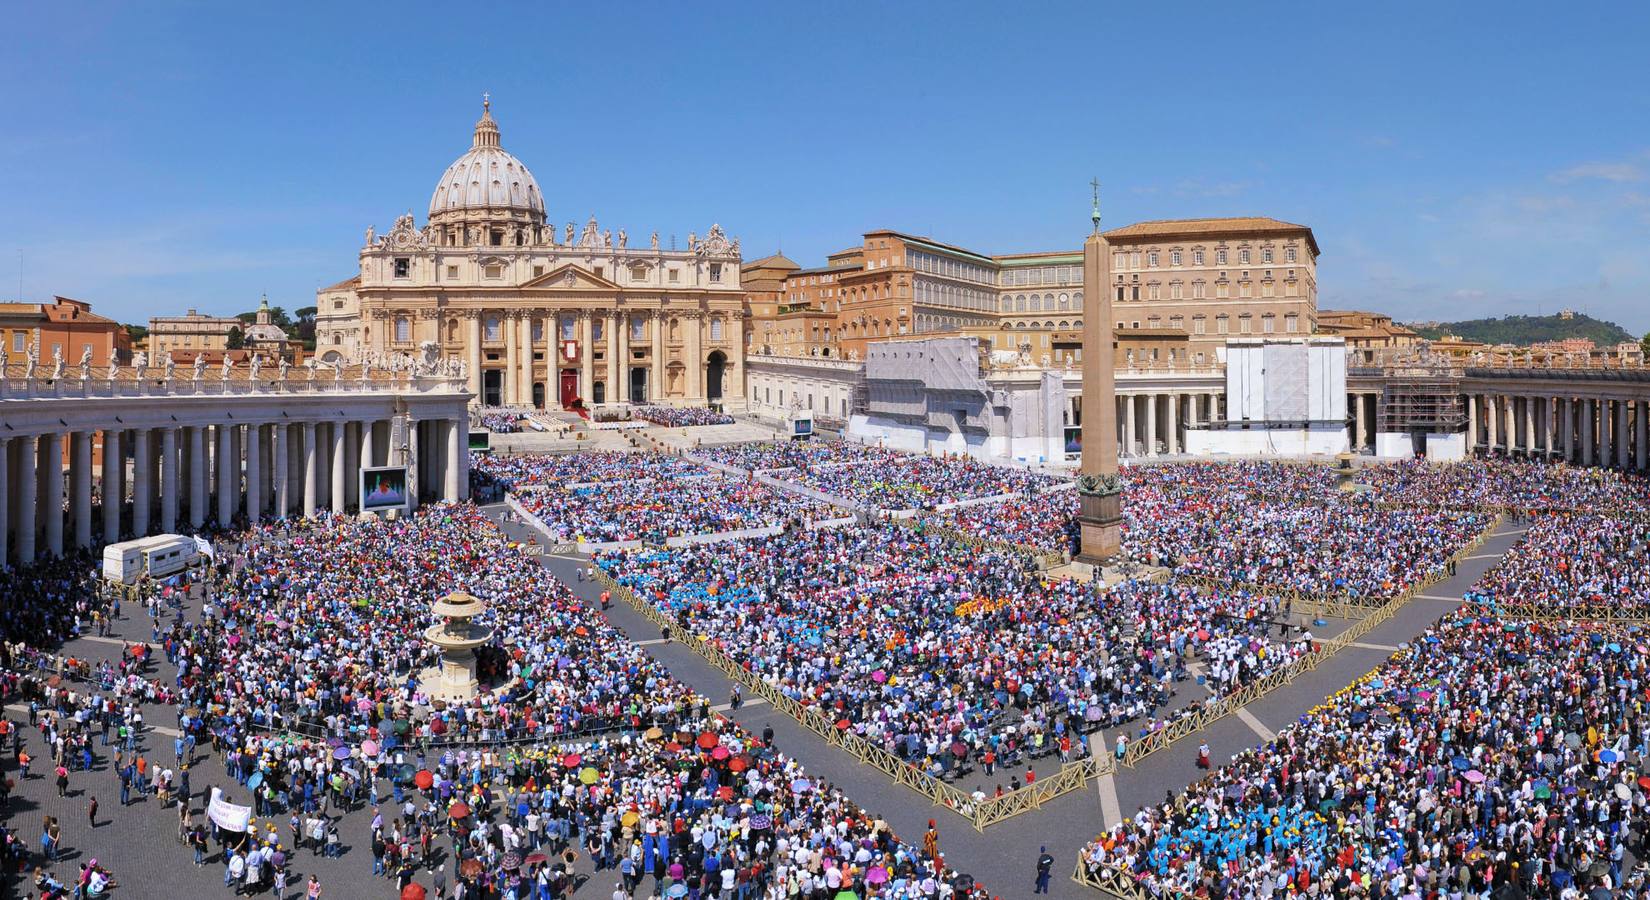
(65, 326)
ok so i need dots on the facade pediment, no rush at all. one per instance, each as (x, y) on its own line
(571, 277)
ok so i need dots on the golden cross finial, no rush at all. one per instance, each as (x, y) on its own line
(486, 101)
(1095, 183)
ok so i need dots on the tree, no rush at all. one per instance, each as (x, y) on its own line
(237, 340)
(136, 332)
(1644, 344)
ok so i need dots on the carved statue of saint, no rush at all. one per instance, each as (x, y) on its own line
(200, 365)
(227, 365)
(284, 366)
(57, 363)
(140, 362)
(624, 239)
(114, 369)
(693, 240)
(655, 240)
(171, 366)
(607, 239)
(569, 240)
(370, 234)
(587, 238)
(86, 363)
(31, 360)
(257, 364)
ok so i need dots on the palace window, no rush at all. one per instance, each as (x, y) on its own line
(1151, 259)
(598, 329)
(1268, 323)
(716, 273)
(1266, 254)
(716, 330)
(1289, 254)
(1220, 257)
(1200, 325)
(1291, 324)
(1222, 325)
(493, 270)
(1174, 257)
(403, 266)
(1243, 256)
(1197, 257)
(638, 273)
(403, 329)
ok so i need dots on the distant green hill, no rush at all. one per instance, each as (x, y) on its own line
(1528, 329)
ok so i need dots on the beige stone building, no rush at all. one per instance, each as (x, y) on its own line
(189, 334)
(583, 318)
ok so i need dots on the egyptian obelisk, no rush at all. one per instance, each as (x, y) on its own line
(1099, 489)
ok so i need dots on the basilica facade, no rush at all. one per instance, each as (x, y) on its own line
(583, 318)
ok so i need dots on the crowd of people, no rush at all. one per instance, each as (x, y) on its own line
(910, 481)
(642, 497)
(500, 422)
(1484, 757)
(1508, 483)
(1573, 559)
(770, 455)
(680, 416)
(1045, 522)
(303, 672)
(952, 658)
(1349, 547)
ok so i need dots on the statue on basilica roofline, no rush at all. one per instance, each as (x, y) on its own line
(370, 234)
(86, 362)
(171, 367)
(200, 365)
(655, 240)
(31, 360)
(57, 363)
(227, 365)
(569, 241)
(624, 239)
(257, 364)
(140, 363)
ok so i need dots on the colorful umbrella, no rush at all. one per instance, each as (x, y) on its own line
(1474, 776)
(571, 760)
(707, 740)
(458, 810)
(423, 779)
(588, 775)
(720, 753)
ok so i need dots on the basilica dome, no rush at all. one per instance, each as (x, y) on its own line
(487, 181)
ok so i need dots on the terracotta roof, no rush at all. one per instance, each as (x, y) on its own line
(346, 284)
(777, 260)
(1234, 225)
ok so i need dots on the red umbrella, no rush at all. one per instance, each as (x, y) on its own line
(571, 760)
(724, 793)
(458, 810)
(672, 747)
(842, 724)
(707, 740)
(720, 753)
(413, 891)
(423, 779)
(738, 764)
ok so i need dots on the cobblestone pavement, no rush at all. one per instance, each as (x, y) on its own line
(138, 842)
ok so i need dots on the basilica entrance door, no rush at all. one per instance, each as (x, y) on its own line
(569, 387)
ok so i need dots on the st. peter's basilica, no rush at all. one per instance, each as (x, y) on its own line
(585, 317)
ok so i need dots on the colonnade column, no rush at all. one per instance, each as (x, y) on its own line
(1151, 424)
(1546, 426)
(1472, 422)
(1529, 426)
(1566, 427)
(1358, 420)
(197, 476)
(27, 511)
(254, 473)
(51, 504)
(228, 477)
(1587, 411)
(1623, 448)
(80, 494)
(114, 491)
(367, 454)
(1172, 440)
(310, 469)
(280, 467)
(454, 449)
(338, 468)
(143, 485)
(1642, 426)
(1128, 423)
(168, 480)
(5, 500)
(1604, 434)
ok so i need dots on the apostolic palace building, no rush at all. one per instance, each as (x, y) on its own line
(536, 317)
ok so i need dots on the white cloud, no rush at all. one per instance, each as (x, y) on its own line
(1620, 172)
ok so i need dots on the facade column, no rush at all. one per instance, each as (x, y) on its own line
(280, 468)
(28, 512)
(1128, 423)
(587, 358)
(338, 470)
(1171, 439)
(229, 482)
(368, 459)
(512, 348)
(51, 501)
(310, 464)
(1606, 413)
(114, 492)
(1623, 448)
(656, 392)
(80, 493)
(450, 463)
(621, 391)
(1588, 408)
(254, 473)
(694, 356)
(1472, 422)
(472, 350)
(615, 361)
(1151, 424)
(143, 483)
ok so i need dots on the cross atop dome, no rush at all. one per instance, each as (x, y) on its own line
(486, 129)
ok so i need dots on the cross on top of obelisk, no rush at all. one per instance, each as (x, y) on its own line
(1096, 214)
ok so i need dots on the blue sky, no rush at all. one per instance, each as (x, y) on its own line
(1454, 160)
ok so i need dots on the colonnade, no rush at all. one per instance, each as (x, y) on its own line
(1363, 409)
(162, 479)
(1152, 423)
(1590, 429)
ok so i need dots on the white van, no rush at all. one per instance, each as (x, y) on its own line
(157, 556)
